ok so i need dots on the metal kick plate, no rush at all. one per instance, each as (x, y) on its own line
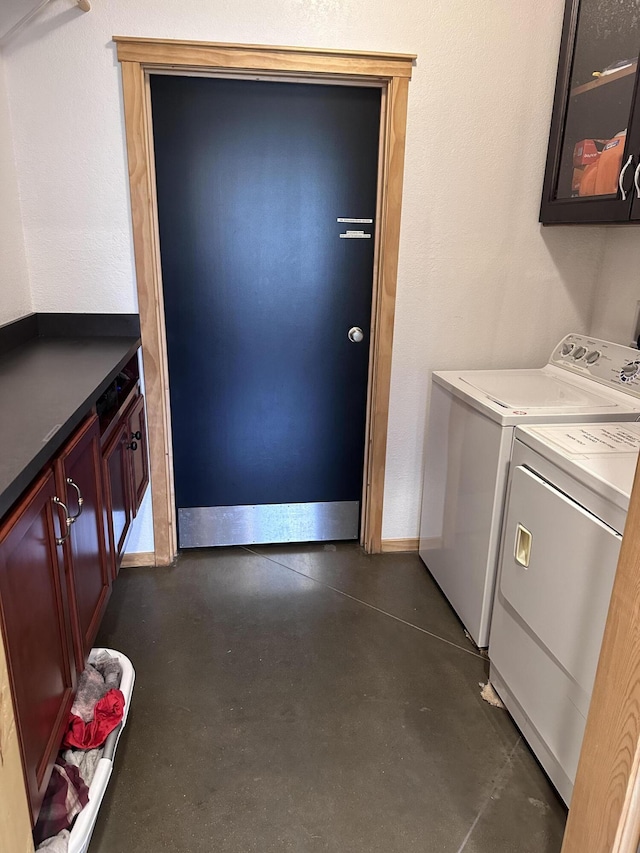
(207, 526)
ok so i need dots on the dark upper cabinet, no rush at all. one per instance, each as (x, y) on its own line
(35, 625)
(593, 162)
(79, 479)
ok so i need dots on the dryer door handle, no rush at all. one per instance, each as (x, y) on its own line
(522, 547)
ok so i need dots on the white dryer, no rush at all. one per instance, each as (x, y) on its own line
(568, 495)
(472, 417)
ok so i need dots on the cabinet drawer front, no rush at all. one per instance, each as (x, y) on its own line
(37, 641)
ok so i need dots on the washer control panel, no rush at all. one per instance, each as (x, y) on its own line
(610, 364)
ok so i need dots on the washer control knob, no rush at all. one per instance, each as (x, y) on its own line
(630, 371)
(579, 352)
(566, 349)
(592, 356)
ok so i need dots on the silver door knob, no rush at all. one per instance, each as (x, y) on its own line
(356, 334)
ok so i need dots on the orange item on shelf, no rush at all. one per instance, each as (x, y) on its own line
(576, 180)
(609, 165)
(588, 181)
(587, 151)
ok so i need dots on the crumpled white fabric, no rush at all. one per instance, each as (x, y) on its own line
(109, 668)
(86, 760)
(56, 844)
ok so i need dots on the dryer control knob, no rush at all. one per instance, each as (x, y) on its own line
(579, 352)
(566, 349)
(592, 356)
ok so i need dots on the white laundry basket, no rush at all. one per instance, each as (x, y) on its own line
(86, 820)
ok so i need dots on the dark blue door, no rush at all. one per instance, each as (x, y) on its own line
(262, 285)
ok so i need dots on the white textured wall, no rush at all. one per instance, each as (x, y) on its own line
(15, 298)
(618, 286)
(480, 284)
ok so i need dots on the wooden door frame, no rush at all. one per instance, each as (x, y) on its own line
(139, 58)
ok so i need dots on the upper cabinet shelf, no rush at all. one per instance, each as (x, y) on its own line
(593, 162)
(604, 81)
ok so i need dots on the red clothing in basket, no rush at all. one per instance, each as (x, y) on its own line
(107, 714)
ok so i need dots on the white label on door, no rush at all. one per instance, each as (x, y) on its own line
(347, 219)
(355, 235)
(593, 439)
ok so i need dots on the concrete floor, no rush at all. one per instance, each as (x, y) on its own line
(311, 698)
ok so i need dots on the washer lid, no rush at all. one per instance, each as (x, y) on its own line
(533, 389)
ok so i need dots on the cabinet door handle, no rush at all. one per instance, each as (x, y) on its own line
(622, 174)
(132, 446)
(636, 179)
(67, 520)
(80, 499)
(138, 434)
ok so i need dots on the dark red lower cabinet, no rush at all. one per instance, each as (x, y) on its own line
(79, 479)
(37, 630)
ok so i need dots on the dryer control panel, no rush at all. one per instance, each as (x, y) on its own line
(610, 364)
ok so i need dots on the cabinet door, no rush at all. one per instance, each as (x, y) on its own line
(79, 477)
(595, 139)
(138, 451)
(117, 490)
(35, 628)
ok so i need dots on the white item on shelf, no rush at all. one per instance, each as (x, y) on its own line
(86, 820)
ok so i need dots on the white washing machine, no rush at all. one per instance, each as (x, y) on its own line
(472, 417)
(567, 502)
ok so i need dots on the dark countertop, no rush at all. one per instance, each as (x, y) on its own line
(47, 386)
